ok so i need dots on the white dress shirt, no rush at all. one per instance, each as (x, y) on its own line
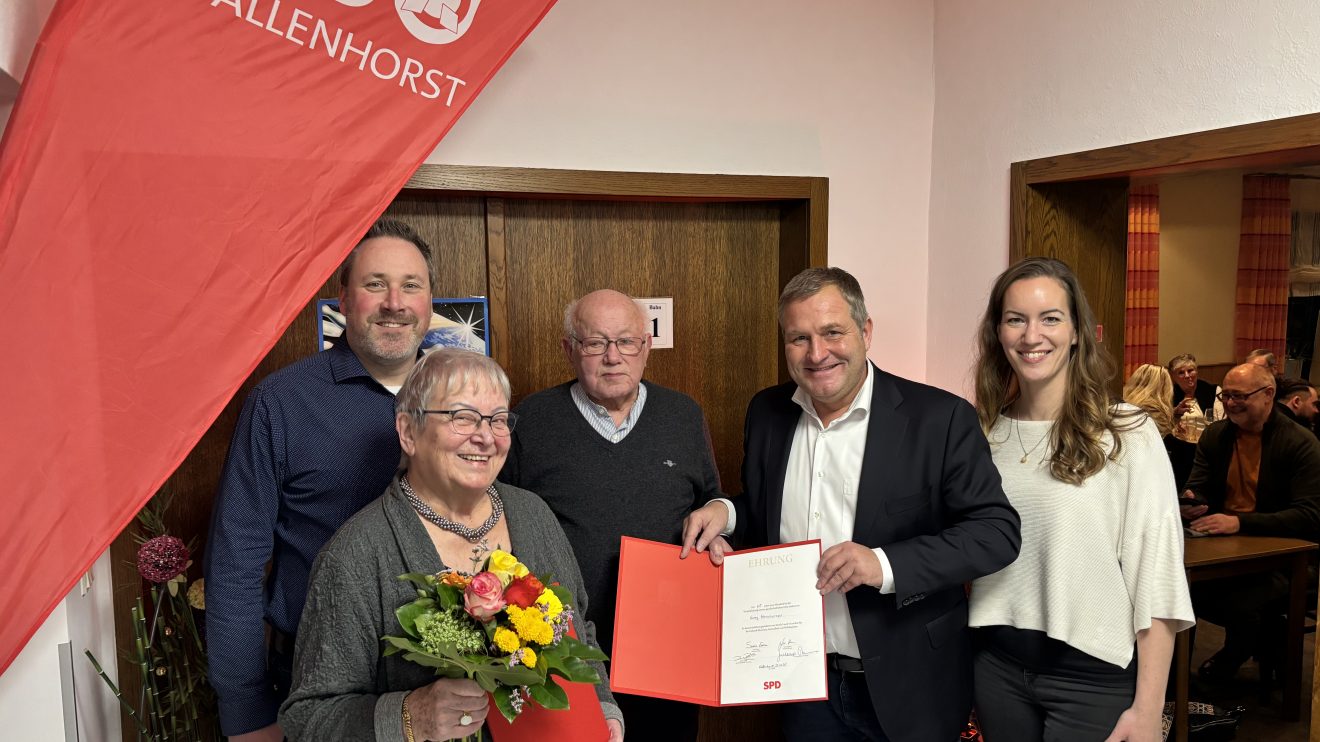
(820, 496)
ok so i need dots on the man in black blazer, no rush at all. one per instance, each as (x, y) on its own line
(896, 479)
(1256, 473)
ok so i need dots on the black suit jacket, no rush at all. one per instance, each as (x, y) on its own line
(930, 496)
(1288, 491)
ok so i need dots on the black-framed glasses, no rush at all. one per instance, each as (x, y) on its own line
(466, 422)
(1227, 397)
(595, 346)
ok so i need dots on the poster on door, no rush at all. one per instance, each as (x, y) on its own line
(455, 323)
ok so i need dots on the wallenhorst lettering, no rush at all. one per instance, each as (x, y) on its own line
(301, 28)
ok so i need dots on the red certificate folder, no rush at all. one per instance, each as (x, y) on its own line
(669, 626)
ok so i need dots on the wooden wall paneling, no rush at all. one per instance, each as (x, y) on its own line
(614, 185)
(497, 323)
(1288, 141)
(454, 227)
(1083, 224)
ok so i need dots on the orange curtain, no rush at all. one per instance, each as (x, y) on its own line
(1264, 255)
(1142, 319)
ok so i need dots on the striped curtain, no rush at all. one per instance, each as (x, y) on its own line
(1264, 256)
(1141, 335)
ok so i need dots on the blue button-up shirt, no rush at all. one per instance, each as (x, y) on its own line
(315, 442)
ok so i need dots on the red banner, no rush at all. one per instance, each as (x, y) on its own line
(176, 181)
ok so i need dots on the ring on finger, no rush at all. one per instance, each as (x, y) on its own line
(465, 719)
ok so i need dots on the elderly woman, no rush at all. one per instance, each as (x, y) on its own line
(443, 510)
(1191, 396)
(1075, 637)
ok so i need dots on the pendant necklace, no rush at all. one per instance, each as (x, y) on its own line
(471, 535)
(1025, 453)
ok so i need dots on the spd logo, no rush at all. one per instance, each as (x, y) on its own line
(441, 24)
(771, 684)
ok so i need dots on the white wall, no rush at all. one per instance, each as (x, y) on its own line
(1020, 79)
(841, 89)
(30, 699)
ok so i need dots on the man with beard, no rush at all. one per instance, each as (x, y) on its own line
(1297, 400)
(314, 443)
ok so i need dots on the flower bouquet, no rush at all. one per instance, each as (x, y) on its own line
(504, 627)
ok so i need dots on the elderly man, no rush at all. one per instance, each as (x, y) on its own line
(1256, 473)
(895, 478)
(315, 442)
(613, 456)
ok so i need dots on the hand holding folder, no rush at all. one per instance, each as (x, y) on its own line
(749, 631)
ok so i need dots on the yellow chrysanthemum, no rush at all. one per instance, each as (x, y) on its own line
(531, 625)
(529, 657)
(506, 640)
(551, 602)
(505, 566)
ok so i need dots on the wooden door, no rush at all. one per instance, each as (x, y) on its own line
(1084, 224)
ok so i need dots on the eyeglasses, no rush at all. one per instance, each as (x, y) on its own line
(466, 422)
(598, 346)
(1227, 397)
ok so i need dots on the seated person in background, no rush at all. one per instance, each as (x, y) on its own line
(1256, 473)
(1297, 399)
(443, 510)
(1266, 360)
(1151, 388)
(1191, 396)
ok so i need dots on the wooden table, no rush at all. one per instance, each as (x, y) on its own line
(1213, 557)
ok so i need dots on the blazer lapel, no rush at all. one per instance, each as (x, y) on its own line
(778, 441)
(884, 446)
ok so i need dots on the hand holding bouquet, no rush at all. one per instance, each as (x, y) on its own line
(504, 627)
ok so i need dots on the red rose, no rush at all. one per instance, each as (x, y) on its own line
(524, 591)
(484, 596)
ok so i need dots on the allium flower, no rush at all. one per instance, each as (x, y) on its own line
(447, 628)
(162, 559)
(197, 594)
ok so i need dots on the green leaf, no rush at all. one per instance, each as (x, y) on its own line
(550, 695)
(577, 671)
(582, 650)
(486, 682)
(410, 612)
(517, 675)
(402, 643)
(504, 704)
(421, 580)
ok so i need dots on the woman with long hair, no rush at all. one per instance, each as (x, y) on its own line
(1150, 388)
(1074, 638)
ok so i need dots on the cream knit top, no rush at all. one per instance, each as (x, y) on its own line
(1099, 561)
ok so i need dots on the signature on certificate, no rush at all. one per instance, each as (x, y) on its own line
(751, 650)
(790, 648)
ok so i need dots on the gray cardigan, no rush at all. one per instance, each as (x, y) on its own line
(343, 688)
